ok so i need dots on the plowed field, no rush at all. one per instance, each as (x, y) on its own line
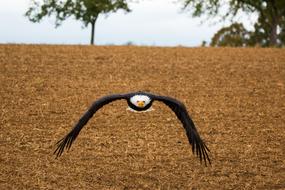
(236, 97)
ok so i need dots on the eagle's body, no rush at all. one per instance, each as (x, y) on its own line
(141, 102)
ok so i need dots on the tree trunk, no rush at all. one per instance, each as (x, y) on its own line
(93, 31)
(273, 33)
(274, 23)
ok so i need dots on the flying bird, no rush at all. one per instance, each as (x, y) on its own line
(139, 102)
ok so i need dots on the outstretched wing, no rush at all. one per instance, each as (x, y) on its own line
(193, 136)
(66, 142)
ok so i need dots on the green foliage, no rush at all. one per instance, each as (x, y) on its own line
(235, 35)
(271, 15)
(200, 7)
(86, 11)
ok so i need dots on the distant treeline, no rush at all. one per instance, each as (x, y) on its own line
(269, 29)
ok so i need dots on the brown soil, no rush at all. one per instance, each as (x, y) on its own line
(236, 97)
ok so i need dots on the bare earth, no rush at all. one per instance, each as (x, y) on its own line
(236, 97)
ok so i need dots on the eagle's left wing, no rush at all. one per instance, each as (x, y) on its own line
(66, 142)
(193, 136)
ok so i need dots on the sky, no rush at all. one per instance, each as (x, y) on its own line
(151, 23)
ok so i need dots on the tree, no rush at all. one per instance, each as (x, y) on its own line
(262, 32)
(86, 11)
(271, 11)
(235, 35)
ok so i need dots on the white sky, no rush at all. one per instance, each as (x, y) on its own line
(156, 22)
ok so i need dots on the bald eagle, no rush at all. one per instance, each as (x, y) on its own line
(139, 102)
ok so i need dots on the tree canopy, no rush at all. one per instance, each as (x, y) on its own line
(86, 11)
(235, 35)
(271, 15)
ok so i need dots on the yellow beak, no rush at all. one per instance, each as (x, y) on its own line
(140, 104)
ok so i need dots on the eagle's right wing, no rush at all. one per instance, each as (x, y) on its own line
(193, 136)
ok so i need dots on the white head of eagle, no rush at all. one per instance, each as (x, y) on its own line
(141, 101)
